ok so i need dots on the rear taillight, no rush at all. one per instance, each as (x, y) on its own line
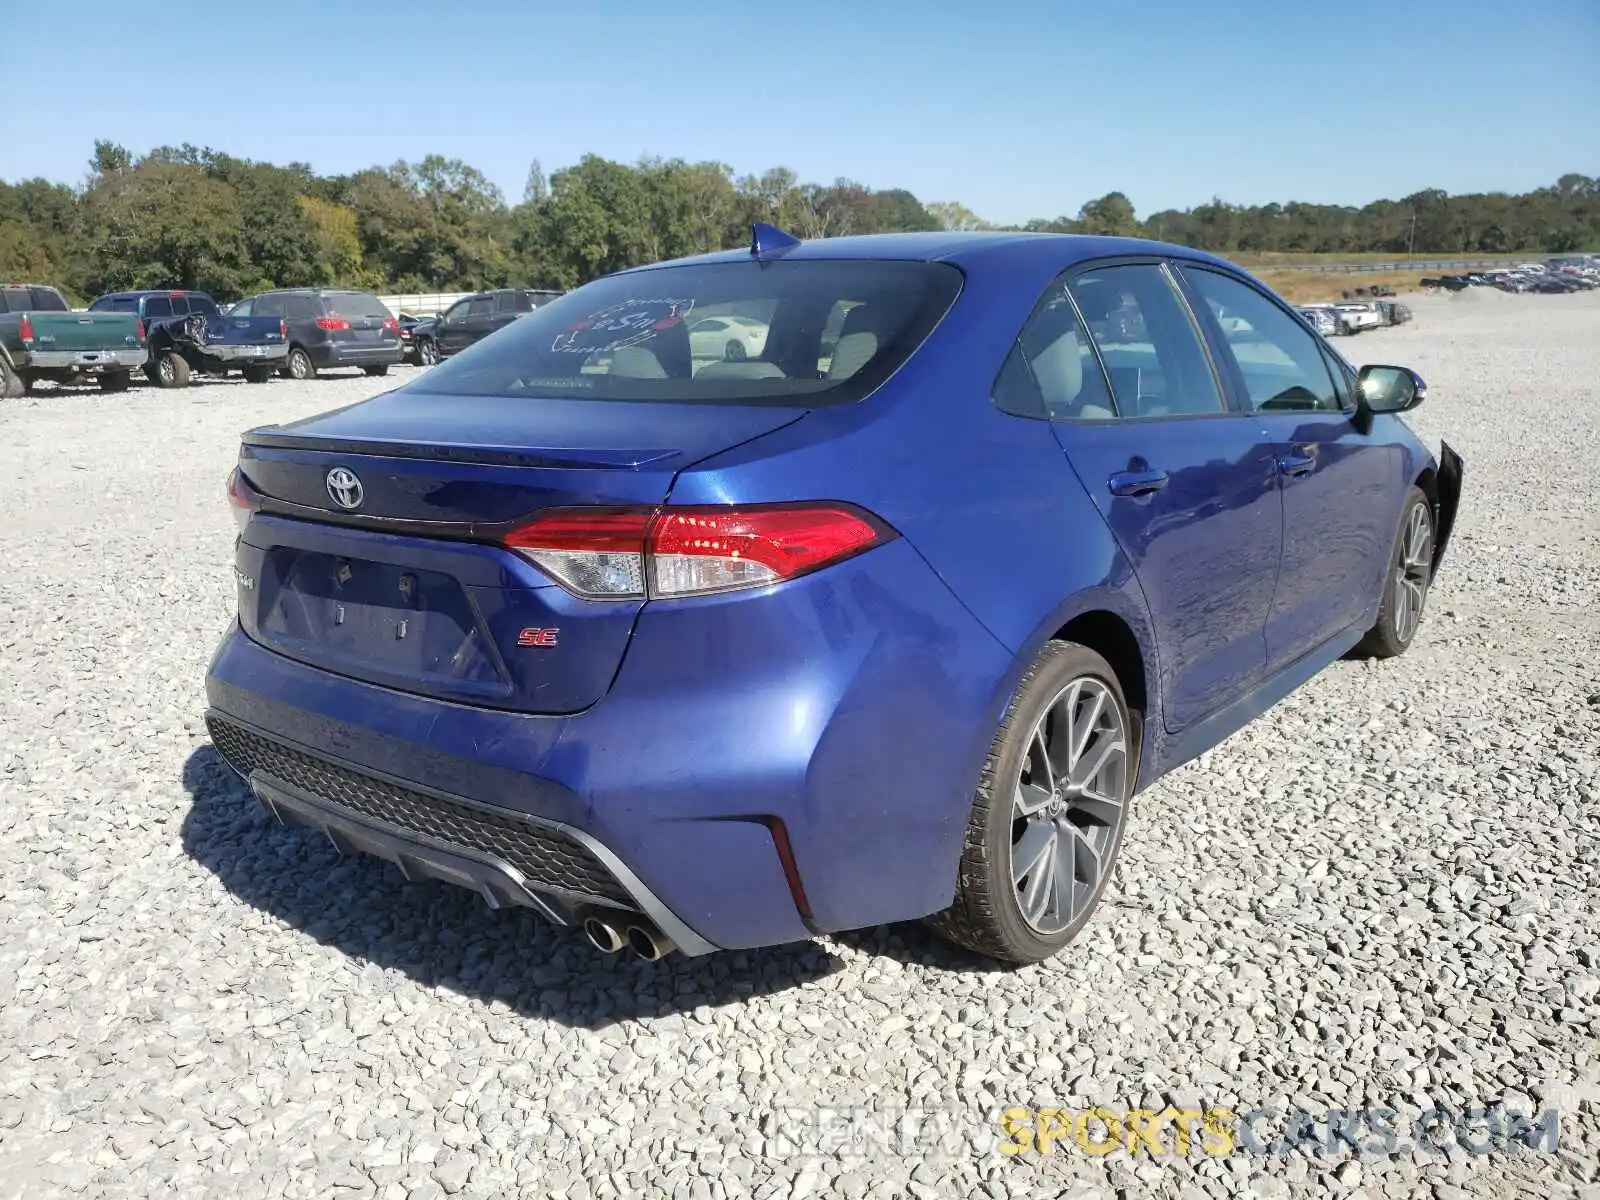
(25, 328)
(391, 323)
(240, 503)
(138, 327)
(628, 554)
(283, 329)
(333, 323)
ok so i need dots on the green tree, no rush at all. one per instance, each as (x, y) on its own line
(1111, 215)
(162, 224)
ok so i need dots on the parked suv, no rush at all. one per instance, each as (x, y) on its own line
(330, 328)
(475, 318)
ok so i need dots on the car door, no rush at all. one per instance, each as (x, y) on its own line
(1339, 494)
(505, 310)
(1182, 480)
(479, 321)
(452, 332)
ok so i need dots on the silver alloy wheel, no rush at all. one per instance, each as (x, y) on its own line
(167, 369)
(1067, 812)
(298, 362)
(427, 352)
(1411, 573)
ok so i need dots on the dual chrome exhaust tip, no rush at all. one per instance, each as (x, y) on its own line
(639, 935)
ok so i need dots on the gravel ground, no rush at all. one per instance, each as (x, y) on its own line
(1382, 893)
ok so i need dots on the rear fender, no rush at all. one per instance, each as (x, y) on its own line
(1450, 471)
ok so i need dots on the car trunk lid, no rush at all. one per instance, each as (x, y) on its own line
(375, 551)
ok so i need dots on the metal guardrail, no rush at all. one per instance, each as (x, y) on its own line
(1404, 264)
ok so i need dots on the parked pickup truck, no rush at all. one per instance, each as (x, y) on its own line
(42, 338)
(188, 334)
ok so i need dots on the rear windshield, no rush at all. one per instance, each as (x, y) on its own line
(356, 304)
(783, 333)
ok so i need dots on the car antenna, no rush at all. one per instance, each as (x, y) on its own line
(768, 241)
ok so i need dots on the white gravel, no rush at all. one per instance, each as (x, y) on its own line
(1382, 893)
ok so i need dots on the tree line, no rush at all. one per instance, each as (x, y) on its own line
(199, 218)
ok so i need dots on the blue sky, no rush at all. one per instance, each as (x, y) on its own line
(1018, 109)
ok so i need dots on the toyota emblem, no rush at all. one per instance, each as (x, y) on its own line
(345, 488)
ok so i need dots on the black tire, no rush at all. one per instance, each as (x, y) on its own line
(734, 351)
(13, 386)
(986, 914)
(257, 374)
(427, 352)
(171, 370)
(117, 381)
(299, 365)
(375, 371)
(1399, 619)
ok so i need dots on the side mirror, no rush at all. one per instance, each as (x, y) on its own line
(1381, 389)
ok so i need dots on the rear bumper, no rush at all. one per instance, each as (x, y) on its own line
(87, 361)
(344, 354)
(245, 356)
(851, 709)
(506, 858)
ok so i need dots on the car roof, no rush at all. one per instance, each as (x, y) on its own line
(1065, 249)
(155, 292)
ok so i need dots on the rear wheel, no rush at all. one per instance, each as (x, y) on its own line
(117, 381)
(734, 351)
(1405, 586)
(171, 370)
(379, 369)
(1049, 813)
(299, 365)
(257, 374)
(12, 385)
(427, 352)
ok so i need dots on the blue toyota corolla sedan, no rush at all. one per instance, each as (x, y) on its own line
(887, 615)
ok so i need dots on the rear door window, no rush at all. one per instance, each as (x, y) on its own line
(505, 302)
(1148, 342)
(480, 307)
(269, 306)
(298, 306)
(158, 306)
(1052, 370)
(627, 336)
(15, 300)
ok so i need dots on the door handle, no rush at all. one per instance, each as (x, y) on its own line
(1137, 483)
(1296, 464)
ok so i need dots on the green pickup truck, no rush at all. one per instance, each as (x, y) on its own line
(41, 338)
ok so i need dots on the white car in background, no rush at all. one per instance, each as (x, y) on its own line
(1359, 316)
(730, 338)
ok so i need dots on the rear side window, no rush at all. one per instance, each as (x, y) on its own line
(629, 336)
(298, 306)
(245, 308)
(158, 306)
(1148, 342)
(505, 302)
(14, 300)
(204, 305)
(1052, 371)
(269, 306)
(48, 300)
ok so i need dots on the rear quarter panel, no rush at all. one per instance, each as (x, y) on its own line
(988, 500)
